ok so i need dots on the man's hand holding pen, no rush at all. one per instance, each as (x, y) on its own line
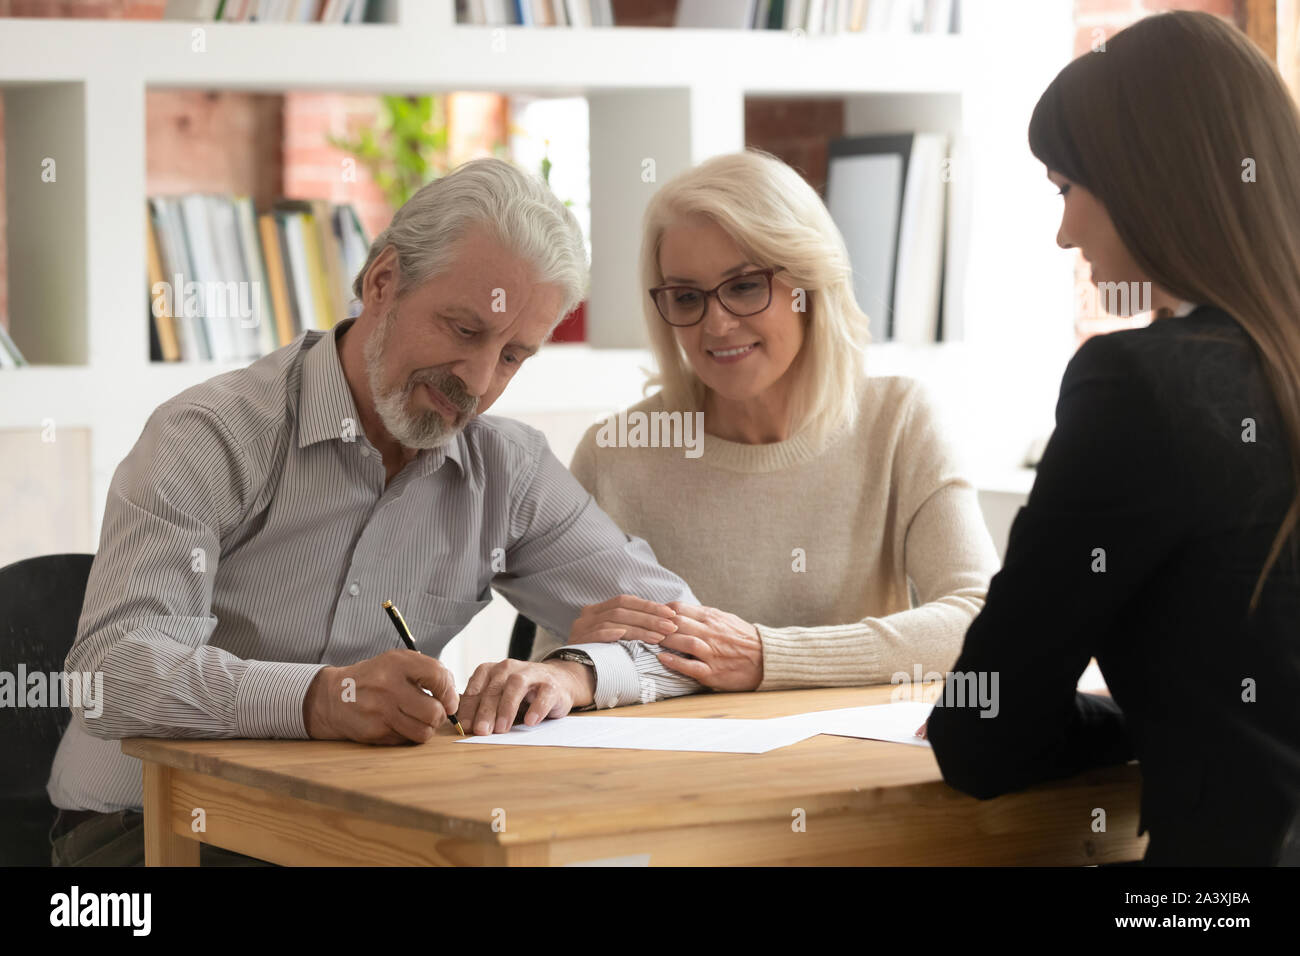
(385, 703)
(403, 695)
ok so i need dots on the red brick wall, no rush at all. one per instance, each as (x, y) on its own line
(214, 142)
(315, 170)
(85, 9)
(645, 13)
(798, 131)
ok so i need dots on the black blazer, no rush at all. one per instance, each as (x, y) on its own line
(1148, 476)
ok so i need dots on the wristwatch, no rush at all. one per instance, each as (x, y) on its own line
(582, 657)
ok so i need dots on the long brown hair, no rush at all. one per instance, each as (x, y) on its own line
(1165, 126)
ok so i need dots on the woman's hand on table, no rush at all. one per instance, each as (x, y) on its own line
(726, 652)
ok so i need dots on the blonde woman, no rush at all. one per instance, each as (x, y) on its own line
(817, 494)
(1160, 534)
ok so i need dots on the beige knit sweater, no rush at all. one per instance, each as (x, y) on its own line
(815, 548)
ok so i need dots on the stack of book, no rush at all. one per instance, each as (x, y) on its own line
(811, 16)
(267, 11)
(227, 284)
(816, 17)
(536, 13)
(10, 357)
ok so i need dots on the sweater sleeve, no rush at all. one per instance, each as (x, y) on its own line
(946, 552)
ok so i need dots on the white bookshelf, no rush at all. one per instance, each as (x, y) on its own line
(75, 90)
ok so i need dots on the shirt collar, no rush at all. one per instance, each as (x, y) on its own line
(327, 406)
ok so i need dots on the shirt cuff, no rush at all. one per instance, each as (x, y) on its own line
(269, 700)
(617, 682)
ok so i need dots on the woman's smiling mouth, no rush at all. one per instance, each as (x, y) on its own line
(732, 354)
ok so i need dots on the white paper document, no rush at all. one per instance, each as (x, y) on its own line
(895, 722)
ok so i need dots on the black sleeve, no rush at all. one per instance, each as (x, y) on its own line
(1106, 510)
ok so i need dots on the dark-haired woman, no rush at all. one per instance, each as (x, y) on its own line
(1160, 535)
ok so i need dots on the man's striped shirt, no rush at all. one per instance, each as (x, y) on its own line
(249, 539)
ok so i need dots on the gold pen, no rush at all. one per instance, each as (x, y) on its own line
(405, 634)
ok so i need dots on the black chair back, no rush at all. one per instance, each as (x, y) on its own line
(522, 638)
(40, 604)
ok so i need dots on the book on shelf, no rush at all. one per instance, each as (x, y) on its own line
(269, 233)
(719, 14)
(227, 284)
(813, 17)
(267, 11)
(164, 323)
(294, 254)
(888, 196)
(191, 331)
(535, 13)
(10, 355)
(919, 280)
(820, 17)
(956, 253)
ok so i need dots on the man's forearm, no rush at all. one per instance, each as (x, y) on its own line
(155, 686)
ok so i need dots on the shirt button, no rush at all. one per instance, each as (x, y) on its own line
(354, 589)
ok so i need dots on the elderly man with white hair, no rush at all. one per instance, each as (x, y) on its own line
(253, 533)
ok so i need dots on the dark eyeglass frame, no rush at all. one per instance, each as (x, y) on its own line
(767, 273)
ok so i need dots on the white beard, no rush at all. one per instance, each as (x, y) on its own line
(419, 429)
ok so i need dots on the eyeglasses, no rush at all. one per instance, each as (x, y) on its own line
(684, 305)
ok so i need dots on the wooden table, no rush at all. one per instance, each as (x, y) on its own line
(861, 802)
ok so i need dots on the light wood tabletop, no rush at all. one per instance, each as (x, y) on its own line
(824, 800)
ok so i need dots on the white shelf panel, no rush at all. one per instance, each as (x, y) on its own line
(30, 394)
(571, 377)
(83, 395)
(561, 377)
(391, 58)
